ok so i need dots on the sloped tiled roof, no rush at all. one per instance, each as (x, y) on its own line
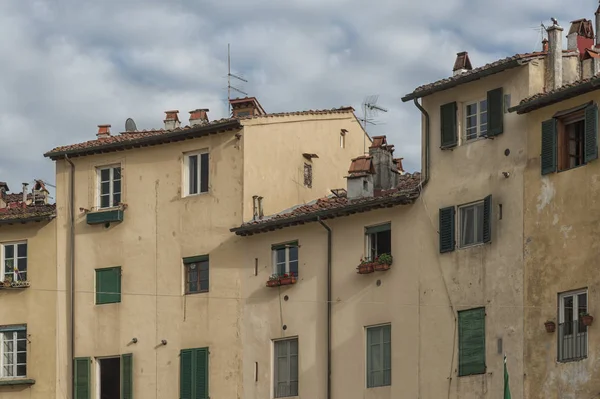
(330, 207)
(24, 214)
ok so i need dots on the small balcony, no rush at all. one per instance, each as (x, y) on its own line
(104, 216)
(277, 280)
(572, 341)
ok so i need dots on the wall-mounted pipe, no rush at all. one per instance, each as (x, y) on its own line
(71, 251)
(328, 307)
(424, 169)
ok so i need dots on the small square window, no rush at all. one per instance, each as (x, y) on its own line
(285, 259)
(196, 173)
(378, 240)
(471, 224)
(379, 356)
(196, 274)
(109, 186)
(285, 366)
(13, 362)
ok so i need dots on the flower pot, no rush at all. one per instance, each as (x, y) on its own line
(587, 320)
(287, 280)
(365, 268)
(273, 283)
(550, 326)
(381, 267)
(6, 284)
(20, 284)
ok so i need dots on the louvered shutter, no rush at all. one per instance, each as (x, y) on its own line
(108, 285)
(127, 376)
(591, 133)
(495, 112)
(549, 150)
(185, 374)
(81, 384)
(487, 219)
(447, 243)
(471, 342)
(449, 137)
(201, 373)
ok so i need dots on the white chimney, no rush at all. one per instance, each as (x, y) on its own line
(172, 120)
(25, 192)
(554, 58)
(198, 116)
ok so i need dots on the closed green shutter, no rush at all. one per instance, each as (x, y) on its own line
(185, 374)
(487, 219)
(447, 243)
(495, 112)
(108, 285)
(591, 133)
(471, 342)
(193, 374)
(201, 373)
(549, 150)
(127, 376)
(81, 385)
(448, 125)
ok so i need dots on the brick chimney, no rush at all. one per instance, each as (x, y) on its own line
(198, 116)
(172, 120)
(462, 63)
(103, 131)
(247, 106)
(554, 60)
(581, 35)
(545, 45)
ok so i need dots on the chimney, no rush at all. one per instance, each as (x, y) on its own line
(386, 170)
(172, 120)
(597, 26)
(3, 190)
(554, 58)
(198, 116)
(25, 193)
(360, 178)
(103, 131)
(545, 45)
(580, 36)
(247, 106)
(462, 63)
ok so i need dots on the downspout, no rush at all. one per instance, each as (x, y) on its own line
(426, 168)
(72, 275)
(328, 306)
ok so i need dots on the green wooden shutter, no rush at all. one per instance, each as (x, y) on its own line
(549, 150)
(448, 125)
(81, 385)
(471, 342)
(108, 285)
(487, 219)
(201, 373)
(447, 243)
(127, 376)
(495, 112)
(185, 374)
(591, 133)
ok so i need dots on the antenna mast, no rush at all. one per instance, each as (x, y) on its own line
(370, 109)
(229, 76)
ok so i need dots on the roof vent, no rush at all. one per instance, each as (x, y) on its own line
(462, 63)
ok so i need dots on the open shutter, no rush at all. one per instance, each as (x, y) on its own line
(495, 112)
(448, 125)
(201, 373)
(447, 243)
(471, 342)
(81, 373)
(591, 133)
(549, 151)
(487, 219)
(127, 376)
(185, 374)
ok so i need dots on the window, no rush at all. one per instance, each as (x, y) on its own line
(475, 225)
(378, 240)
(13, 359)
(379, 356)
(308, 175)
(285, 258)
(475, 119)
(572, 333)
(109, 186)
(196, 274)
(108, 285)
(14, 258)
(286, 368)
(196, 173)
(343, 138)
(471, 342)
(471, 224)
(193, 373)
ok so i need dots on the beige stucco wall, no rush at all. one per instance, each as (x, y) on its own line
(561, 253)
(34, 306)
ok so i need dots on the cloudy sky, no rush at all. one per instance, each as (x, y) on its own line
(69, 65)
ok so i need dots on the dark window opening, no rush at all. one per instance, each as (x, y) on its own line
(571, 141)
(379, 240)
(196, 276)
(110, 378)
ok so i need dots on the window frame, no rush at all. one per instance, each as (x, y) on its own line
(561, 320)
(111, 180)
(15, 330)
(478, 225)
(479, 133)
(289, 355)
(186, 172)
(199, 260)
(368, 366)
(14, 244)
(563, 140)
(369, 240)
(287, 246)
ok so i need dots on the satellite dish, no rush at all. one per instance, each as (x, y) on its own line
(130, 125)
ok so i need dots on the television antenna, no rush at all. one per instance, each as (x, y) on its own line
(130, 125)
(370, 110)
(229, 76)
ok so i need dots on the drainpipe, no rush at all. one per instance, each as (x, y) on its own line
(328, 307)
(427, 162)
(72, 274)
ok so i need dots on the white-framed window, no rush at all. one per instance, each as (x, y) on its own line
(196, 173)
(475, 119)
(471, 224)
(13, 351)
(285, 368)
(285, 258)
(109, 186)
(572, 332)
(378, 240)
(379, 356)
(14, 261)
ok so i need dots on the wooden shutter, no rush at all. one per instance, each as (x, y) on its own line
(591, 133)
(108, 285)
(201, 373)
(204, 173)
(549, 150)
(471, 342)
(81, 385)
(185, 374)
(448, 125)
(487, 219)
(495, 112)
(447, 243)
(127, 376)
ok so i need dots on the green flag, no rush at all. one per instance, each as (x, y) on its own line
(506, 388)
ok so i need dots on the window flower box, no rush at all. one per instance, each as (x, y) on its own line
(383, 262)
(365, 266)
(286, 279)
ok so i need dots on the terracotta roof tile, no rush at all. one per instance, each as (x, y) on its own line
(22, 214)
(361, 165)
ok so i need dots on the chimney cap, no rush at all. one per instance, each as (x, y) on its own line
(199, 110)
(462, 62)
(103, 131)
(172, 115)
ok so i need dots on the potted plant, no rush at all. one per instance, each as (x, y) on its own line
(273, 280)
(287, 279)
(365, 266)
(550, 326)
(586, 319)
(20, 284)
(383, 262)
(7, 281)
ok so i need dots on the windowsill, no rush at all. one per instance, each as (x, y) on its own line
(471, 245)
(196, 293)
(380, 386)
(16, 381)
(195, 195)
(571, 360)
(110, 208)
(574, 167)
(471, 375)
(106, 303)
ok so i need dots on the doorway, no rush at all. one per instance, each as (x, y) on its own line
(110, 378)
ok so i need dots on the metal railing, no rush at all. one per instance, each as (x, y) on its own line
(572, 341)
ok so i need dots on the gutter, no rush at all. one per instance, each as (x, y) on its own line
(427, 162)
(71, 251)
(328, 306)
(27, 220)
